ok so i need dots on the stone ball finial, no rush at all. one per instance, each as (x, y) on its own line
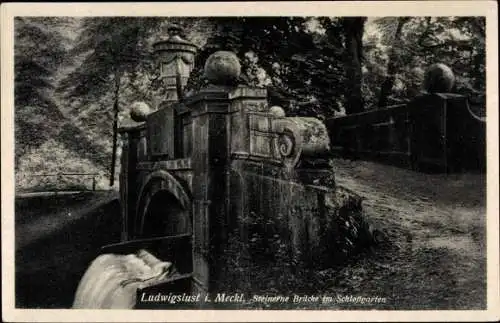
(222, 68)
(277, 111)
(139, 111)
(438, 78)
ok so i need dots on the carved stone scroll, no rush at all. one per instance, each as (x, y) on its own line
(300, 136)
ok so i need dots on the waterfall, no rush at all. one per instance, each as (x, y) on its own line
(112, 280)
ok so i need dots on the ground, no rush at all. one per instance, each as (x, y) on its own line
(56, 239)
(432, 257)
(436, 225)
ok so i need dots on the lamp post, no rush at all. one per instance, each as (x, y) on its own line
(175, 58)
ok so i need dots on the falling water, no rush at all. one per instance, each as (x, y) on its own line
(112, 280)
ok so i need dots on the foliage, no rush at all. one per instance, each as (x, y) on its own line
(113, 67)
(110, 46)
(109, 50)
(41, 53)
(300, 66)
(456, 41)
(52, 158)
(38, 52)
(393, 59)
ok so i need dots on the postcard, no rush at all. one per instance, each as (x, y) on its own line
(250, 161)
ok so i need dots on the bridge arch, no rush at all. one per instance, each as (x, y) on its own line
(163, 208)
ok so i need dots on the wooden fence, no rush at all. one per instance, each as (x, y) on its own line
(57, 182)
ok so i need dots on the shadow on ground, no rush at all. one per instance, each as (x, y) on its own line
(49, 266)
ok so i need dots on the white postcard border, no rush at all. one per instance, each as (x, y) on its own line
(341, 8)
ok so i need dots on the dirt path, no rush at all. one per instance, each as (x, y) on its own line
(436, 226)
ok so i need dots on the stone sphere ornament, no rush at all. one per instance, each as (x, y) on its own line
(222, 68)
(439, 78)
(277, 111)
(139, 111)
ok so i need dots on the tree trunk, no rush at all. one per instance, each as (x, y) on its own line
(392, 65)
(115, 129)
(353, 29)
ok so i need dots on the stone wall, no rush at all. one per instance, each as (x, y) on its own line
(435, 132)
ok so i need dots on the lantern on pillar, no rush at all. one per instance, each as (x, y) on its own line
(175, 58)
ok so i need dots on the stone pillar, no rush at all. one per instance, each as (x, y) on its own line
(434, 116)
(124, 188)
(212, 110)
(128, 178)
(209, 159)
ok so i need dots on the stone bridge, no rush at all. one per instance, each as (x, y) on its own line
(220, 166)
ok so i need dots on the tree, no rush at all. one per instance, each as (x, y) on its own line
(111, 47)
(392, 65)
(473, 64)
(353, 33)
(455, 41)
(112, 67)
(299, 65)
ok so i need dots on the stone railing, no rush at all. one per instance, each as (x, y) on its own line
(436, 131)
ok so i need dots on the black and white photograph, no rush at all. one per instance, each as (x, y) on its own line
(305, 161)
